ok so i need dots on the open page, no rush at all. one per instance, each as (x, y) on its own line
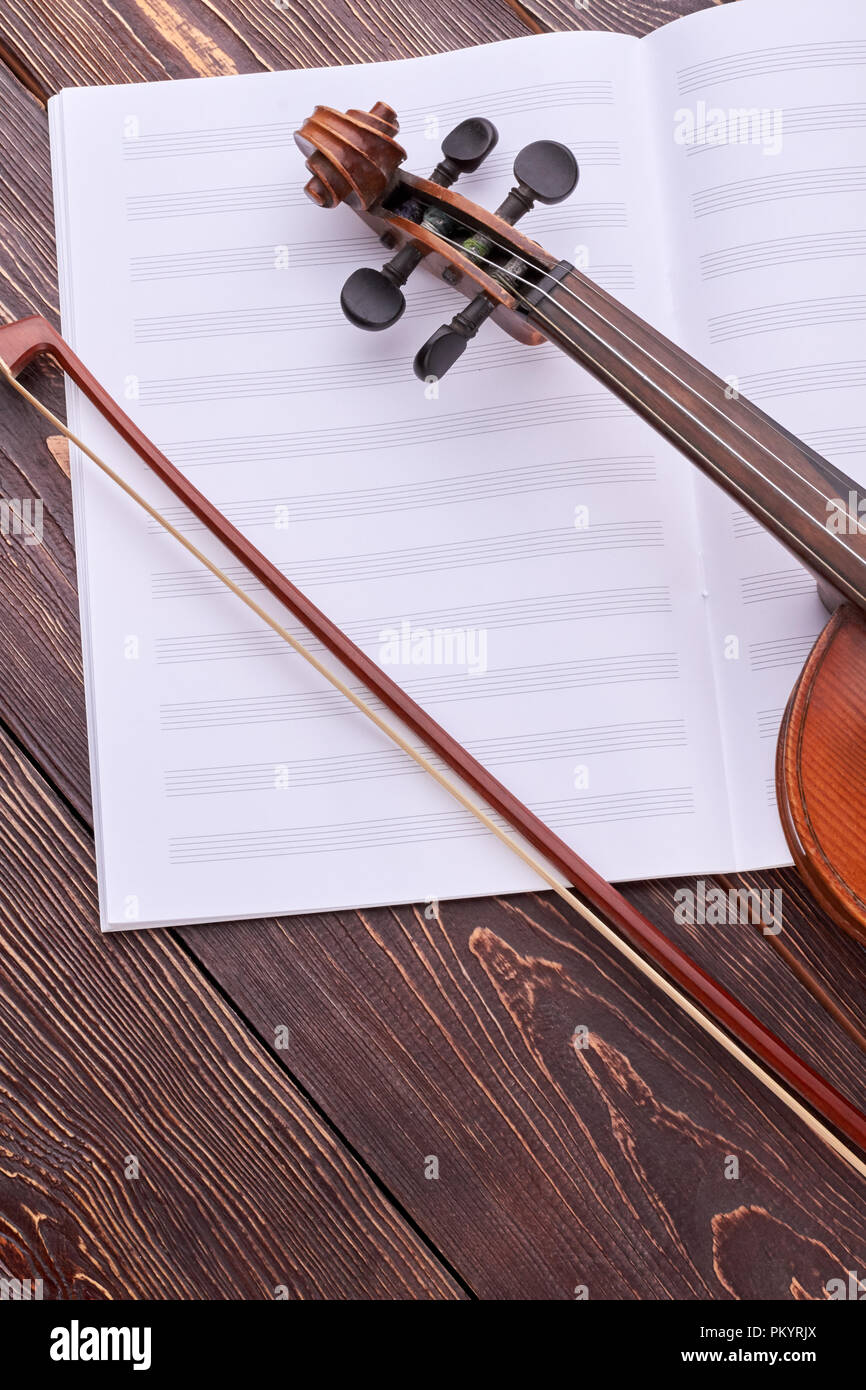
(516, 547)
(761, 132)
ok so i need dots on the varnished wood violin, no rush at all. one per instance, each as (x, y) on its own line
(807, 503)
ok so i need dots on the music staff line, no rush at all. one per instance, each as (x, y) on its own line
(594, 741)
(769, 721)
(776, 584)
(833, 443)
(262, 197)
(338, 376)
(427, 559)
(800, 120)
(762, 255)
(580, 606)
(186, 715)
(773, 188)
(760, 62)
(744, 526)
(443, 825)
(338, 251)
(547, 97)
(501, 355)
(781, 651)
(794, 381)
(287, 318)
(796, 313)
(270, 318)
(436, 491)
(390, 434)
(242, 259)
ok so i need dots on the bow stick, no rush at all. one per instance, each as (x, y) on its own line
(797, 1085)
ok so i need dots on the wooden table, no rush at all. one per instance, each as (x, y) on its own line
(281, 1087)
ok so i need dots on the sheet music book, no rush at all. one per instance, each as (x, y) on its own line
(564, 593)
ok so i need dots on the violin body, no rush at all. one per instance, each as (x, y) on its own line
(821, 770)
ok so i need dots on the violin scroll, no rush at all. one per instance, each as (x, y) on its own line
(351, 156)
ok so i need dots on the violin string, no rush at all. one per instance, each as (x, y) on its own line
(572, 293)
(833, 535)
(797, 541)
(455, 790)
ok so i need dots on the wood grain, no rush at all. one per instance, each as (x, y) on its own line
(454, 1036)
(116, 1050)
(450, 1037)
(90, 41)
(40, 702)
(618, 16)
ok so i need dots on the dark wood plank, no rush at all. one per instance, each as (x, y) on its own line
(41, 679)
(619, 16)
(43, 714)
(118, 1049)
(91, 41)
(605, 1166)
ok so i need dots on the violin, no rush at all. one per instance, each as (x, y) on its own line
(812, 507)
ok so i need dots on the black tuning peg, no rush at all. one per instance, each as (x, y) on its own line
(465, 150)
(448, 343)
(373, 299)
(546, 172)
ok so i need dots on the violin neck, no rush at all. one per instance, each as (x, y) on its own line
(810, 505)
